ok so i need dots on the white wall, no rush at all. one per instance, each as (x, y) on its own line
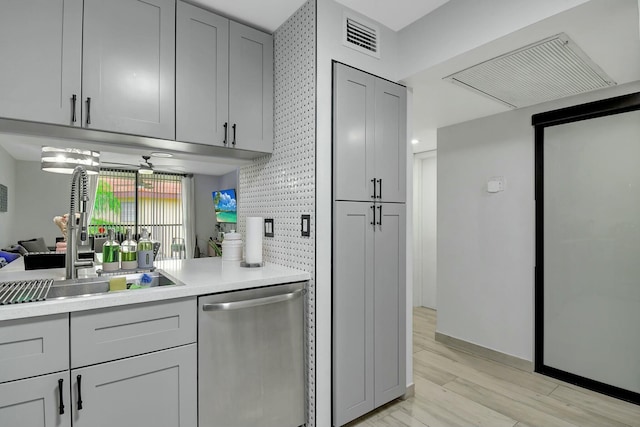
(462, 25)
(329, 47)
(486, 241)
(8, 179)
(425, 229)
(39, 196)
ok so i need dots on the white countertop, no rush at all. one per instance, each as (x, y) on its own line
(200, 276)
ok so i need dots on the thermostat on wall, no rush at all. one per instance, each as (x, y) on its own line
(495, 184)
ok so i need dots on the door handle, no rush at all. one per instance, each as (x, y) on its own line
(380, 215)
(380, 191)
(224, 142)
(234, 135)
(373, 209)
(88, 110)
(79, 379)
(61, 407)
(236, 305)
(373, 181)
(73, 108)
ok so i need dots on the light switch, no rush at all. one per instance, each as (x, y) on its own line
(268, 227)
(495, 184)
(306, 225)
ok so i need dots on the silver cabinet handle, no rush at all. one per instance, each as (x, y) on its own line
(236, 305)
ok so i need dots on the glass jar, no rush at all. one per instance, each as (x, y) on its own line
(145, 250)
(129, 253)
(111, 253)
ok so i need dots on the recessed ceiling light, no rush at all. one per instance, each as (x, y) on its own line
(415, 141)
(161, 154)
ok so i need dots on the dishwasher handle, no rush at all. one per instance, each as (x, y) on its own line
(236, 305)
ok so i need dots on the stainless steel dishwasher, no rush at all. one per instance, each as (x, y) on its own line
(251, 358)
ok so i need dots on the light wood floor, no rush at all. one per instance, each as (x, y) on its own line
(453, 388)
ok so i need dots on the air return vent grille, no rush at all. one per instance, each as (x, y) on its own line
(550, 69)
(361, 35)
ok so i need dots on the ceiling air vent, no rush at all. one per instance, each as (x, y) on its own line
(361, 35)
(549, 69)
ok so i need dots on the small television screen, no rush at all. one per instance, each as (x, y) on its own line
(224, 202)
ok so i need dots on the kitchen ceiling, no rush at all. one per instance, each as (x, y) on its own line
(266, 15)
(606, 31)
(395, 14)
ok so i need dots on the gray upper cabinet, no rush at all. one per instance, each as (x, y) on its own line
(128, 81)
(202, 76)
(41, 60)
(36, 402)
(390, 162)
(250, 88)
(369, 137)
(156, 389)
(354, 127)
(224, 82)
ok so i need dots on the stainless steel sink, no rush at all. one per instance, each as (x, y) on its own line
(74, 288)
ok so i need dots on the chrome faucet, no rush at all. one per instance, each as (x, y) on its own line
(77, 233)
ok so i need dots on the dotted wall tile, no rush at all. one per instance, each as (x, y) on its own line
(282, 185)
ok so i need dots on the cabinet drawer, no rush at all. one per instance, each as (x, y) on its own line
(34, 346)
(113, 333)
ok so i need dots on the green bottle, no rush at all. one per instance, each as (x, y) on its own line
(111, 253)
(145, 250)
(129, 253)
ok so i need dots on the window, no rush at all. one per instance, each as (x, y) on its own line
(126, 200)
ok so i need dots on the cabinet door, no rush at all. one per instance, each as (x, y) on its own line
(129, 66)
(33, 346)
(353, 134)
(35, 402)
(250, 88)
(202, 76)
(391, 141)
(158, 389)
(41, 52)
(353, 358)
(390, 302)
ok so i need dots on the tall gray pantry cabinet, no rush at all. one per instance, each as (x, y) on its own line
(369, 217)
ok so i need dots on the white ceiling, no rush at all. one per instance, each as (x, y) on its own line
(267, 15)
(395, 14)
(606, 31)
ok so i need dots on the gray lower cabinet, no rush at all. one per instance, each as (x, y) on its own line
(128, 74)
(134, 365)
(36, 402)
(369, 306)
(41, 52)
(370, 143)
(157, 389)
(34, 372)
(224, 82)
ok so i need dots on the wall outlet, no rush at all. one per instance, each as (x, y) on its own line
(268, 227)
(306, 225)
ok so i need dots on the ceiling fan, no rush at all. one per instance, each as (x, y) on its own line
(145, 167)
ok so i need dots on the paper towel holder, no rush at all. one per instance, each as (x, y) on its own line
(252, 264)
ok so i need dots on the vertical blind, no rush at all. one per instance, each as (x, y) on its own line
(126, 200)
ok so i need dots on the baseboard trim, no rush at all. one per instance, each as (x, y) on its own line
(487, 353)
(411, 391)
